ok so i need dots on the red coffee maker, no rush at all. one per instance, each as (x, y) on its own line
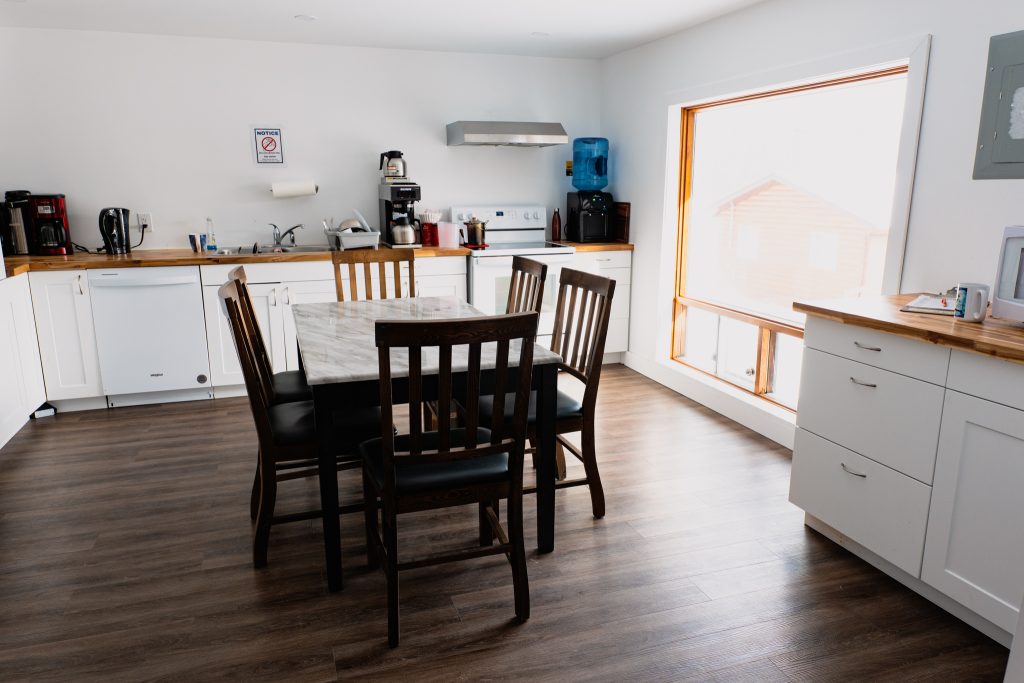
(50, 235)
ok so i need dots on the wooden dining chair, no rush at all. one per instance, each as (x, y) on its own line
(286, 433)
(581, 327)
(525, 294)
(426, 470)
(365, 259)
(526, 291)
(286, 386)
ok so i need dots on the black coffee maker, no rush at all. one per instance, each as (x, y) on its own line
(114, 230)
(397, 210)
(16, 222)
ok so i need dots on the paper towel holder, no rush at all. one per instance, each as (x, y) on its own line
(295, 188)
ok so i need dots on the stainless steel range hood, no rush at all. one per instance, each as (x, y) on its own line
(506, 133)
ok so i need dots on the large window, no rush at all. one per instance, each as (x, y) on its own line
(785, 195)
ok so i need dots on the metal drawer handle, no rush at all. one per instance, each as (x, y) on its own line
(604, 260)
(866, 348)
(849, 471)
(863, 384)
(81, 291)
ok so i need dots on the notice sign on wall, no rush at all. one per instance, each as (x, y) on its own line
(269, 149)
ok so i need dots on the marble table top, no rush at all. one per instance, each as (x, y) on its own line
(336, 340)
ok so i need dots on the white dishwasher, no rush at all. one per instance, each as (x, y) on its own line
(151, 332)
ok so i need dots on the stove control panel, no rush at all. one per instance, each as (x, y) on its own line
(504, 217)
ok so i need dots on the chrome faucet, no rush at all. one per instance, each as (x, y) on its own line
(290, 233)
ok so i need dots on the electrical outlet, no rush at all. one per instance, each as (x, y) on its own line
(145, 221)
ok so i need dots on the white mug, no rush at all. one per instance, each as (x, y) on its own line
(971, 302)
(448, 235)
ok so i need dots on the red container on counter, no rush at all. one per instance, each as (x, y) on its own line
(428, 234)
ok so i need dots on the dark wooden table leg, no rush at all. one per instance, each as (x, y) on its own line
(323, 400)
(547, 389)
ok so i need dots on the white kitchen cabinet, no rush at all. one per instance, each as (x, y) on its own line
(441, 276)
(293, 293)
(616, 265)
(67, 339)
(974, 550)
(441, 285)
(21, 374)
(225, 369)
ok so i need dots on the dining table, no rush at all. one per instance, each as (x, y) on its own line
(338, 354)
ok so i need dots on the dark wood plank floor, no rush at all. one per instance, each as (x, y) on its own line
(125, 555)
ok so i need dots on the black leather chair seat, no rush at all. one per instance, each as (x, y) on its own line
(293, 423)
(291, 386)
(423, 477)
(566, 407)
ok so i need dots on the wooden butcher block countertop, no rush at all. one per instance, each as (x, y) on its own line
(149, 258)
(597, 246)
(994, 337)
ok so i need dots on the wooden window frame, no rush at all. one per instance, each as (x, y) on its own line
(768, 328)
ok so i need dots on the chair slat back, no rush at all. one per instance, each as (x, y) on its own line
(258, 385)
(368, 261)
(581, 326)
(508, 337)
(250, 322)
(526, 291)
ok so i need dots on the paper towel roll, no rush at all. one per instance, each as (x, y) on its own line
(294, 188)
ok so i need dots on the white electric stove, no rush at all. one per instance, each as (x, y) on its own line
(512, 230)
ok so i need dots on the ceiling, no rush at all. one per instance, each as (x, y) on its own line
(550, 28)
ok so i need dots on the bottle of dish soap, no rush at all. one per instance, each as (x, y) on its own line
(211, 238)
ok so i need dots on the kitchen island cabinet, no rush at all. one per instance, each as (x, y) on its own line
(910, 451)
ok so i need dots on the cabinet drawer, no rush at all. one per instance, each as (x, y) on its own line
(987, 377)
(882, 415)
(603, 260)
(883, 510)
(917, 359)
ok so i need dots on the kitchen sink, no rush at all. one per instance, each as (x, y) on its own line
(281, 249)
(304, 248)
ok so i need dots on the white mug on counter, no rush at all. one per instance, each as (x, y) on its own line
(971, 302)
(448, 235)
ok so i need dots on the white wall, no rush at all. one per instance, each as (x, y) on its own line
(161, 124)
(955, 222)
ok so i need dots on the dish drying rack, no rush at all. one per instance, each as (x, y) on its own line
(348, 236)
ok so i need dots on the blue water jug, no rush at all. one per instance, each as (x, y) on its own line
(590, 163)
